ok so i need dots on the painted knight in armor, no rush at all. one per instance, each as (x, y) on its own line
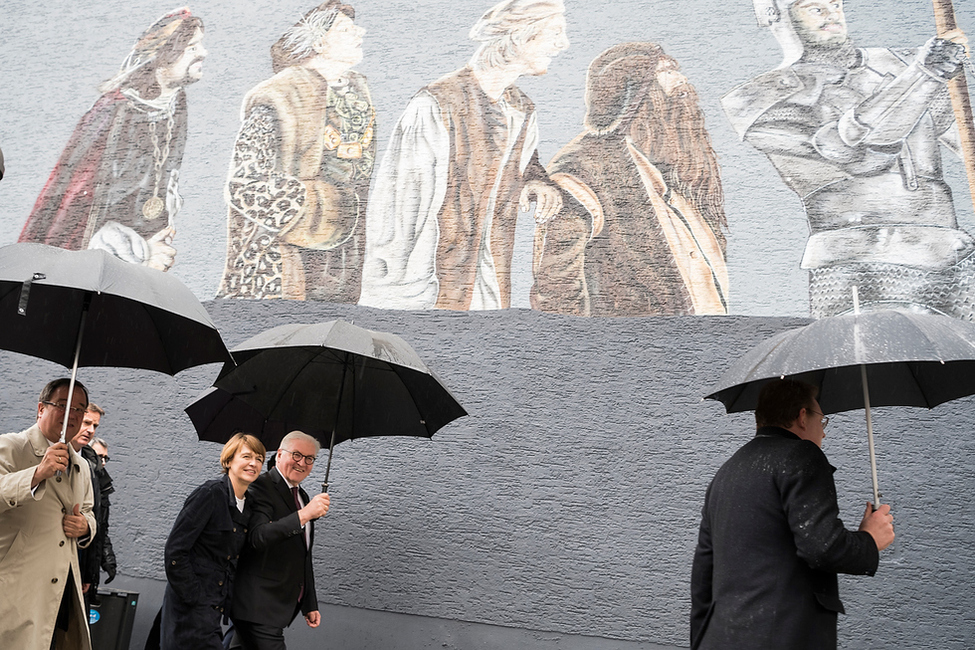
(855, 133)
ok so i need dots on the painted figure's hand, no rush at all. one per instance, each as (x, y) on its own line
(75, 525)
(880, 524)
(548, 200)
(958, 37)
(161, 253)
(174, 202)
(945, 57)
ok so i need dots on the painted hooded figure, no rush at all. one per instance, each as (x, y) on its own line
(641, 229)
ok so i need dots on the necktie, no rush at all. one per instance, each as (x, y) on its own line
(294, 493)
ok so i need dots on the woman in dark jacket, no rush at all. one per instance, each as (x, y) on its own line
(202, 549)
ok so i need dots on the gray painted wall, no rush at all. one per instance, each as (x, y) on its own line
(55, 54)
(567, 503)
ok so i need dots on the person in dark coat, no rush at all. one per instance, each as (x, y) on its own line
(274, 578)
(202, 550)
(93, 557)
(771, 542)
(108, 561)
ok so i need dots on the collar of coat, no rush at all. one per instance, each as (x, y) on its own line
(768, 432)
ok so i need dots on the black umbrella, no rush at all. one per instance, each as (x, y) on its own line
(88, 308)
(332, 380)
(879, 358)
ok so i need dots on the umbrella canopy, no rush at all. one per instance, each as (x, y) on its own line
(134, 317)
(878, 358)
(910, 359)
(332, 380)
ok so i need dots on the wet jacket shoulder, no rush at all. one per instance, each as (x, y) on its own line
(771, 541)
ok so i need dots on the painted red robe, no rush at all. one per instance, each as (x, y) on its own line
(106, 173)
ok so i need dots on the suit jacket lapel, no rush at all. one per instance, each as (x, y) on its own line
(282, 489)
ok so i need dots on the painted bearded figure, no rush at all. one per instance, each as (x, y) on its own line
(641, 228)
(856, 134)
(301, 166)
(460, 164)
(115, 186)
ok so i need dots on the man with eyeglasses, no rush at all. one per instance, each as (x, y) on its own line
(45, 516)
(771, 542)
(274, 579)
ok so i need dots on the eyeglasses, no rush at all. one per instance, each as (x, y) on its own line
(104, 457)
(298, 457)
(80, 410)
(825, 419)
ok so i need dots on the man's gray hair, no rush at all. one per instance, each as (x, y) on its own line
(300, 435)
(98, 441)
(507, 26)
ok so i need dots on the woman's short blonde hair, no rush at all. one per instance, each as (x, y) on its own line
(235, 443)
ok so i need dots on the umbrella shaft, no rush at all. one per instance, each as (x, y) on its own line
(74, 366)
(873, 455)
(345, 371)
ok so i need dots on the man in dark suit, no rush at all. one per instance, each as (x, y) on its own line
(771, 542)
(274, 578)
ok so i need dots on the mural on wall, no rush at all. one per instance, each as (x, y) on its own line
(855, 133)
(632, 215)
(115, 186)
(462, 159)
(301, 168)
(641, 229)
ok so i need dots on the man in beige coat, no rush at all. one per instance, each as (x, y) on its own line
(45, 514)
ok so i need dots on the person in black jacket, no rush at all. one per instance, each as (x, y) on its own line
(202, 550)
(99, 554)
(109, 564)
(274, 578)
(771, 541)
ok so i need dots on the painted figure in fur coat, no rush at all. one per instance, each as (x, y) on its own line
(301, 166)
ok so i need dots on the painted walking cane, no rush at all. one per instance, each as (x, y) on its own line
(944, 18)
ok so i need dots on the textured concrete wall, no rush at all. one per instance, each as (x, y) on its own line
(566, 503)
